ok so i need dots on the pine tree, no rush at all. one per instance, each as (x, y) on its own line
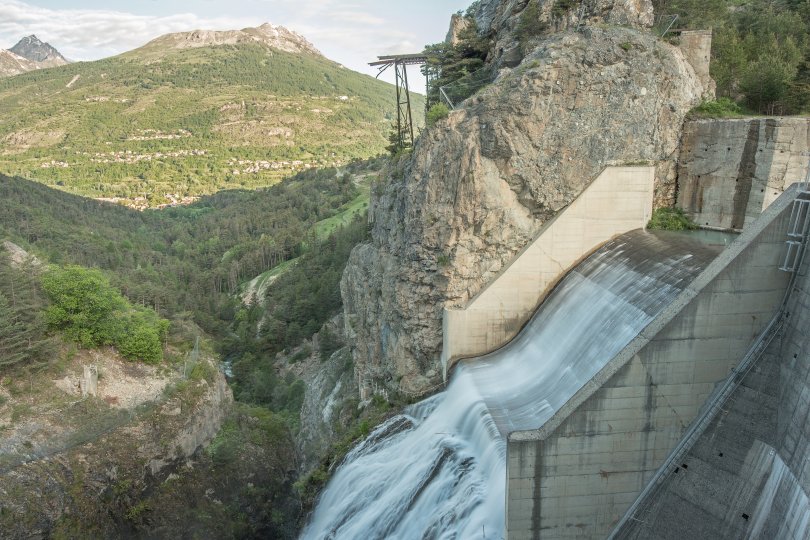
(13, 339)
(23, 338)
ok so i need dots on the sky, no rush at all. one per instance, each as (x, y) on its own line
(351, 32)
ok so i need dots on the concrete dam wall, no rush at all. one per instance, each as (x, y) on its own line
(617, 201)
(753, 456)
(576, 476)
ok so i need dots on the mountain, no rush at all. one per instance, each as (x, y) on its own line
(31, 48)
(191, 114)
(276, 37)
(27, 55)
(12, 64)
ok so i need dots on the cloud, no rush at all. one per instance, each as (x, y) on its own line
(83, 34)
(357, 18)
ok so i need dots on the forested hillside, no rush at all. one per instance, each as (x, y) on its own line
(760, 49)
(190, 261)
(161, 125)
(145, 279)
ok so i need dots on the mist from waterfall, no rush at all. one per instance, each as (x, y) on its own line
(438, 470)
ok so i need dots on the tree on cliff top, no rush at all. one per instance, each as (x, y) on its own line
(452, 62)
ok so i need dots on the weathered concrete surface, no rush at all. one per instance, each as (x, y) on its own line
(732, 169)
(697, 47)
(748, 475)
(618, 201)
(576, 476)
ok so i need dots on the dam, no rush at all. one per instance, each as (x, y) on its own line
(440, 469)
(580, 418)
(691, 420)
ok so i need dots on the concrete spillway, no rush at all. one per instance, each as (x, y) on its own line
(439, 469)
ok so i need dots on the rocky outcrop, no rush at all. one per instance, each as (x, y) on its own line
(35, 50)
(87, 459)
(199, 425)
(330, 396)
(503, 18)
(480, 184)
(268, 35)
(458, 24)
(18, 255)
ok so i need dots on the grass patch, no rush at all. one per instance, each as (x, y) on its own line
(671, 219)
(345, 215)
(437, 112)
(719, 108)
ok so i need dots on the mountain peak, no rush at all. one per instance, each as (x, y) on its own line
(270, 35)
(32, 48)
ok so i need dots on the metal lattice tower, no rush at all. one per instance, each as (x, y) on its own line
(400, 63)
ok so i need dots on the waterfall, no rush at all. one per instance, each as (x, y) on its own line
(438, 470)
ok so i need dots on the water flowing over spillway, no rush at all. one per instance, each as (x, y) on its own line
(438, 469)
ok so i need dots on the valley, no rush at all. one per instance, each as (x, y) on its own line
(189, 115)
(235, 304)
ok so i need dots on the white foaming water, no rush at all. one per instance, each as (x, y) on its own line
(783, 509)
(439, 469)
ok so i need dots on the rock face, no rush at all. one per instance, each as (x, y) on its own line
(480, 183)
(31, 48)
(47, 470)
(276, 37)
(457, 25)
(330, 398)
(503, 18)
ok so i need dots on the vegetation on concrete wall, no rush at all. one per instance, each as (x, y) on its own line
(671, 219)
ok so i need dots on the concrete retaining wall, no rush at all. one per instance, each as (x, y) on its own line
(697, 47)
(577, 475)
(619, 200)
(730, 170)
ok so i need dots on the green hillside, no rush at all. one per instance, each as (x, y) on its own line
(188, 122)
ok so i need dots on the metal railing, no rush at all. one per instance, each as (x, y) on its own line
(667, 22)
(456, 92)
(699, 425)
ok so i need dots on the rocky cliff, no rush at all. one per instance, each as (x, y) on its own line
(502, 19)
(77, 467)
(480, 183)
